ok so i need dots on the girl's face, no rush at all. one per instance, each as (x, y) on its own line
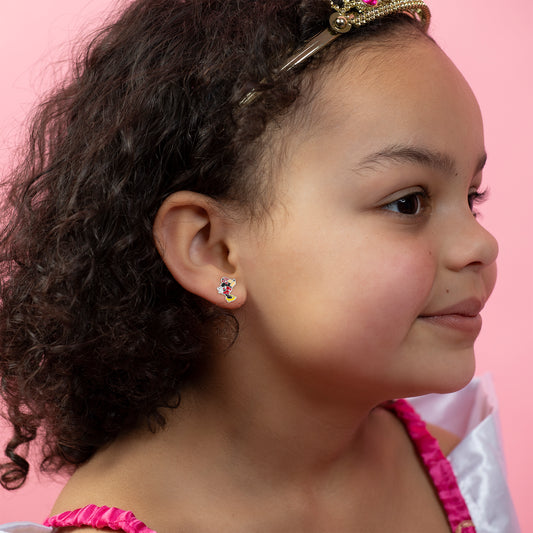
(373, 267)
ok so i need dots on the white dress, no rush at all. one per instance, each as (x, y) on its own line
(478, 461)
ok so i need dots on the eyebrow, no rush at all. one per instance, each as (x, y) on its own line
(418, 155)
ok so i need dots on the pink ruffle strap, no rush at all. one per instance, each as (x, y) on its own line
(99, 518)
(437, 466)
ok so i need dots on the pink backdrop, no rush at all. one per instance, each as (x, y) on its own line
(495, 56)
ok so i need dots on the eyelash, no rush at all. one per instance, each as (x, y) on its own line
(475, 198)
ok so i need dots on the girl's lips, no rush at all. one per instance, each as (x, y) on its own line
(463, 316)
(464, 323)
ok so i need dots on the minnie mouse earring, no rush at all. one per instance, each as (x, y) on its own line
(225, 288)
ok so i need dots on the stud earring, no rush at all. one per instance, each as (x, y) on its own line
(225, 288)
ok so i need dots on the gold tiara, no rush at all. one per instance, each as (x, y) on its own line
(347, 15)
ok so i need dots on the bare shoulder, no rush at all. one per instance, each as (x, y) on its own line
(446, 439)
(104, 480)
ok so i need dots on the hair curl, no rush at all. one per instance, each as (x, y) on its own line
(95, 334)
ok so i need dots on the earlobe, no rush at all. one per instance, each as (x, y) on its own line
(195, 240)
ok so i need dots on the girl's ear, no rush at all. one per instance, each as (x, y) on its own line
(194, 239)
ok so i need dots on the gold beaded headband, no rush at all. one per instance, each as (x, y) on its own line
(352, 13)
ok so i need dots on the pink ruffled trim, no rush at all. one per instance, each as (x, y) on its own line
(99, 518)
(437, 466)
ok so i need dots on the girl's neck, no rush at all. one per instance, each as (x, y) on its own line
(266, 420)
(268, 435)
(232, 462)
(250, 432)
(275, 459)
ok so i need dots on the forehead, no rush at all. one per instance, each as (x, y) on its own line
(406, 90)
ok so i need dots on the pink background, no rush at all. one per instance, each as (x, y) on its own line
(493, 45)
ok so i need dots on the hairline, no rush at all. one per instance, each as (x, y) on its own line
(307, 111)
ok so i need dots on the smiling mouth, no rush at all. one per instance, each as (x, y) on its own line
(462, 317)
(470, 325)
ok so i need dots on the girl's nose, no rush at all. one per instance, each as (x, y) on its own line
(471, 245)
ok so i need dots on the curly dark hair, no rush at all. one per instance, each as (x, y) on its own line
(95, 334)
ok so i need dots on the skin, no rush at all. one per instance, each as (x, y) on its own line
(341, 295)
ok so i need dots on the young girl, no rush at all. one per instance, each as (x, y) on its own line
(241, 231)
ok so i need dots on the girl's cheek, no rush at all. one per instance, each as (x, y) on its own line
(407, 279)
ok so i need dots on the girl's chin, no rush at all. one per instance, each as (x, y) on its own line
(447, 383)
(444, 379)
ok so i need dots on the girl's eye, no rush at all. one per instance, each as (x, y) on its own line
(411, 204)
(475, 198)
